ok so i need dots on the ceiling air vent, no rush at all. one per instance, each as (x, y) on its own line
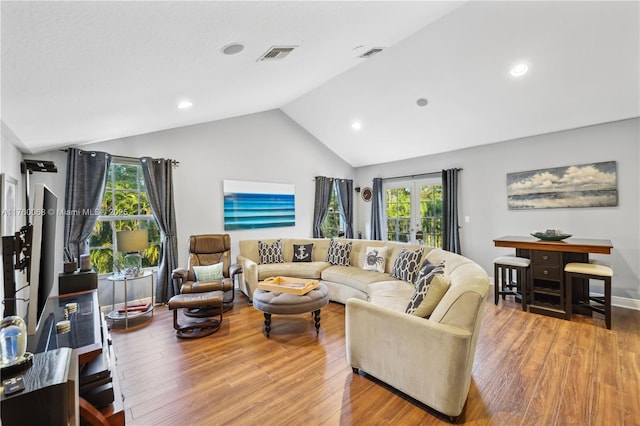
(370, 53)
(276, 53)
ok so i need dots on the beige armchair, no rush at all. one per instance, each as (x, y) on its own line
(204, 250)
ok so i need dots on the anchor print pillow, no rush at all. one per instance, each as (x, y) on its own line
(302, 252)
(375, 259)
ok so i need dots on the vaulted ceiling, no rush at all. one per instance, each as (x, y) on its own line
(81, 72)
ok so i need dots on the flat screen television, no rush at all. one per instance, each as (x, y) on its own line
(42, 279)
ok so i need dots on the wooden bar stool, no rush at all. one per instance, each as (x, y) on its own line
(506, 268)
(591, 271)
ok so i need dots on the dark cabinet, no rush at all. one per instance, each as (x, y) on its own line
(548, 290)
(50, 394)
(90, 374)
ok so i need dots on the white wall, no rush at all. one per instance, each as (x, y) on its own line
(10, 159)
(483, 196)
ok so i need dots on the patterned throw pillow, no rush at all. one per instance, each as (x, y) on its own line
(339, 253)
(302, 252)
(270, 253)
(375, 258)
(424, 270)
(406, 264)
(208, 273)
(429, 292)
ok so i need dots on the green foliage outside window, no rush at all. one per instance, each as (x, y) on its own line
(333, 225)
(398, 213)
(125, 206)
(431, 215)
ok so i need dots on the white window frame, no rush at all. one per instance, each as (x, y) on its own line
(414, 186)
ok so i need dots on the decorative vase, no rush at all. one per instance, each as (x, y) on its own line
(13, 340)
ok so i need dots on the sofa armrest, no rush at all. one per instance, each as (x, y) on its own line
(426, 360)
(249, 280)
(179, 274)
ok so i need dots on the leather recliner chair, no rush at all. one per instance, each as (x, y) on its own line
(208, 249)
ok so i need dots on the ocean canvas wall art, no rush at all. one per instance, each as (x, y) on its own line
(252, 205)
(585, 185)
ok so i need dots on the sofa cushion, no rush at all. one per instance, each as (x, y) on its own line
(393, 294)
(302, 252)
(209, 272)
(429, 291)
(375, 259)
(352, 277)
(405, 265)
(339, 253)
(270, 253)
(311, 270)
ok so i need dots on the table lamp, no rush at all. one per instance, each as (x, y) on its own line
(131, 243)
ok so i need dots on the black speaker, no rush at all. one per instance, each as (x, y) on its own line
(77, 281)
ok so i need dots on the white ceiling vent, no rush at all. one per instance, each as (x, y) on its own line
(371, 52)
(276, 53)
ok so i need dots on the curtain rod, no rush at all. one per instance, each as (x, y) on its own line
(417, 175)
(175, 163)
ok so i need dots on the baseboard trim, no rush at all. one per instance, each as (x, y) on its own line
(620, 302)
(625, 302)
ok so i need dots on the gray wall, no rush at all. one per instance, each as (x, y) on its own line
(270, 147)
(483, 194)
(263, 147)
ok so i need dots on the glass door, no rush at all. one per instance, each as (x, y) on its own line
(413, 211)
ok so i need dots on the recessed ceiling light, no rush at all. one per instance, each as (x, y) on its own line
(519, 70)
(233, 48)
(356, 125)
(422, 102)
(185, 104)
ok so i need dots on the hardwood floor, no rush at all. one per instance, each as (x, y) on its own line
(529, 370)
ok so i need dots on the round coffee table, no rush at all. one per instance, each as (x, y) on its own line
(275, 302)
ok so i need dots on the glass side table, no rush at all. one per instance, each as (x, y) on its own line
(129, 311)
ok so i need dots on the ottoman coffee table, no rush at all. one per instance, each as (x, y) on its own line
(275, 302)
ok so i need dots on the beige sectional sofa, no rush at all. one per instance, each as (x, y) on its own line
(429, 359)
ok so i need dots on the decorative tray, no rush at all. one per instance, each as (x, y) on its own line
(291, 285)
(551, 235)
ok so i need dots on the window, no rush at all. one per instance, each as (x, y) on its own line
(333, 224)
(125, 206)
(413, 212)
(398, 209)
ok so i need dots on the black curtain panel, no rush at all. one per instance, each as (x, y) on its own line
(324, 186)
(86, 179)
(158, 178)
(376, 209)
(345, 194)
(450, 229)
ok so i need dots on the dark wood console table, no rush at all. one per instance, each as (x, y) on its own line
(548, 258)
(89, 337)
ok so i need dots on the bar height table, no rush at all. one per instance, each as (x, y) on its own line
(566, 251)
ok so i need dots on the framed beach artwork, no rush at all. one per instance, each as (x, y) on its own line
(8, 187)
(585, 185)
(252, 205)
